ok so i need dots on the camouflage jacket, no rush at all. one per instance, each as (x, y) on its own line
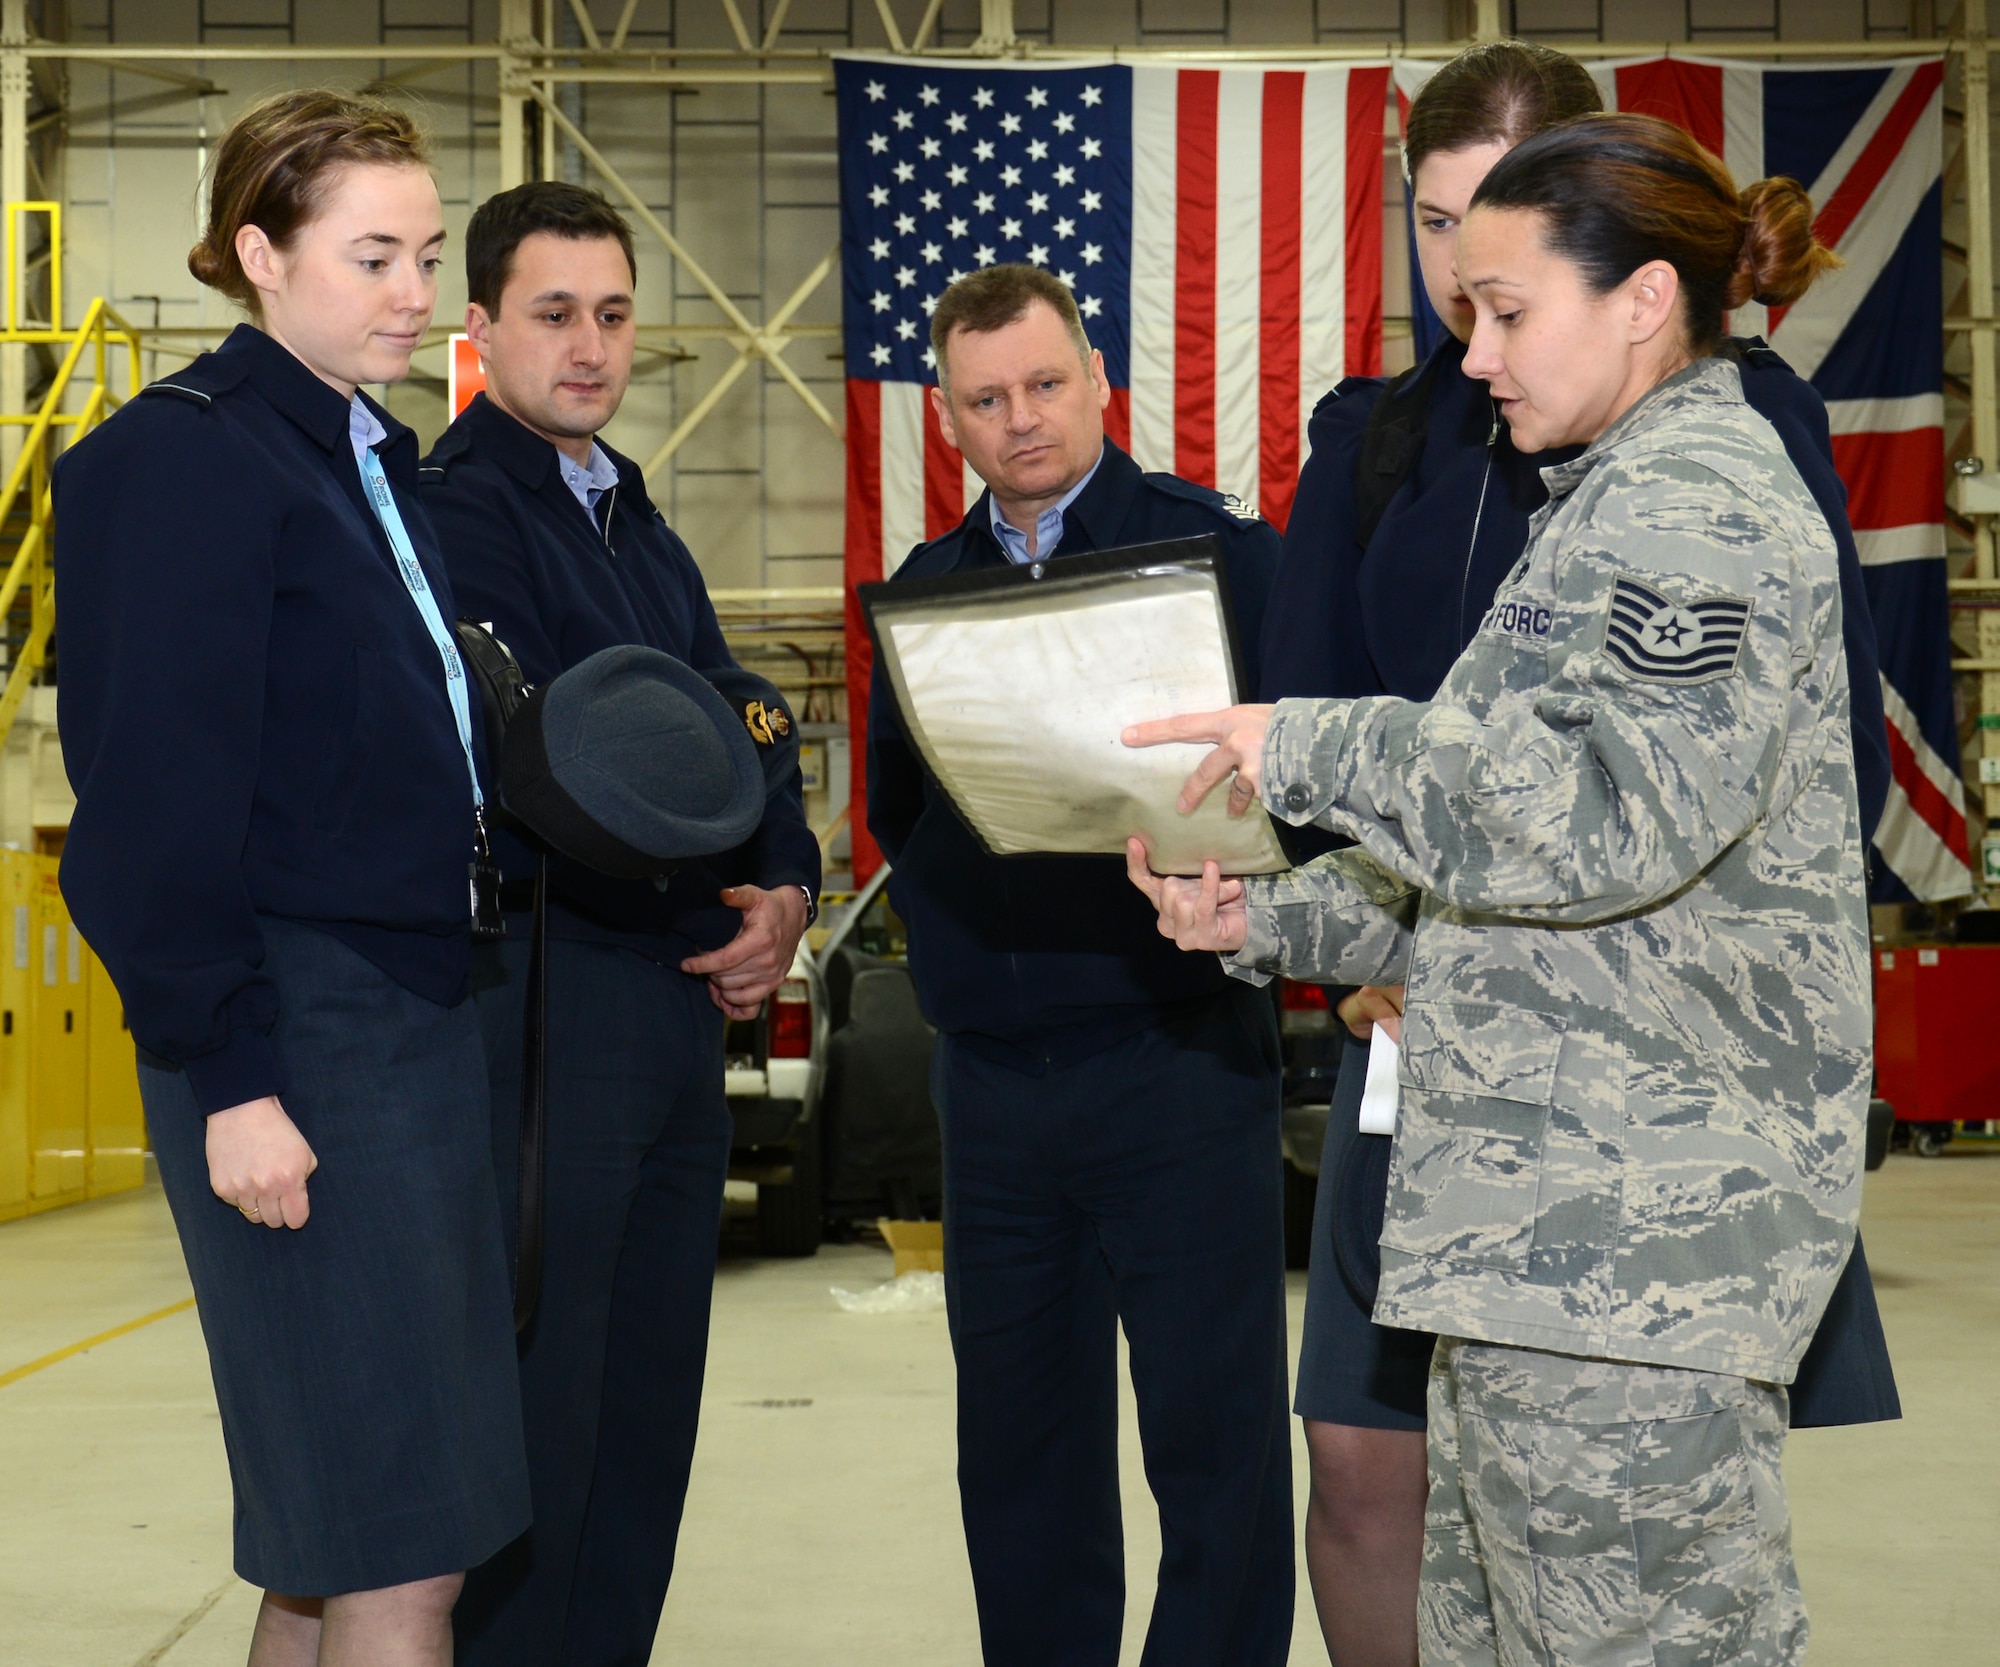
(1617, 859)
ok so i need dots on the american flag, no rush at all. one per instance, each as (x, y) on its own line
(1866, 140)
(1221, 229)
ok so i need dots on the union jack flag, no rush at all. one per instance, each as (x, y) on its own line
(1867, 142)
(1221, 228)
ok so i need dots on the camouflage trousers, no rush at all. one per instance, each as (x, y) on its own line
(1594, 1513)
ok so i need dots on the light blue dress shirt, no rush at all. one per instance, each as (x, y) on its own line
(364, 429)
(1048, 524)
(589, 481)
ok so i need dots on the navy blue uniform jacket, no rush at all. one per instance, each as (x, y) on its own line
(1049, 957)
(253, 715)
(1392, 618)
(556, 586)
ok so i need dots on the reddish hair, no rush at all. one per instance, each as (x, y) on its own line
(272, 170)
(1615, 192)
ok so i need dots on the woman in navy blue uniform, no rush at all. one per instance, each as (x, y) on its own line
(1411, 511)
(277, 822)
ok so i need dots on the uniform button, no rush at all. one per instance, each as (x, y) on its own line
(1296, 796)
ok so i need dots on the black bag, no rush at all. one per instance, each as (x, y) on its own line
(492, 669)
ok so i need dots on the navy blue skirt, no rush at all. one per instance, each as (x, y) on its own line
(364, 1364)
(1353, 1371)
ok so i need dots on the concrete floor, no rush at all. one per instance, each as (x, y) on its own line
(822, 1527)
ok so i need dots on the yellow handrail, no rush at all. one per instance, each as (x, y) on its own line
(47, 431)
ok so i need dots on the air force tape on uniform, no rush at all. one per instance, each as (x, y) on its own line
(1617, 861)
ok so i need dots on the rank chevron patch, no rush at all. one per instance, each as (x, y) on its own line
(1661, 641)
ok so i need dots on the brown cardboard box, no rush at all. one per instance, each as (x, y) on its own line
(918, 1245)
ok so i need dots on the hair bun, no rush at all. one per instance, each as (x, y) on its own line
(209, 268)
(1779, 257)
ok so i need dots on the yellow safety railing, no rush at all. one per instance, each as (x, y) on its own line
(49, 429)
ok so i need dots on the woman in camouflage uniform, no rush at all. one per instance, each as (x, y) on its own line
(1617, 860)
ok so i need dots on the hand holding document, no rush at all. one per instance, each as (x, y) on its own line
(1016, 687)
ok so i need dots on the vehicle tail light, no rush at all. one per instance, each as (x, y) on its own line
(791, 1020)
(1302, 998)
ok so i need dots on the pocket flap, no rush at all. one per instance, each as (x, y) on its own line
(1482, 1049)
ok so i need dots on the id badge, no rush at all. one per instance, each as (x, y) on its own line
(487, 920)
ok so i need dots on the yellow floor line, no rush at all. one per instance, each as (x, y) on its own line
(34, 1366)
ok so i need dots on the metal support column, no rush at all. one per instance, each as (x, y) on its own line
(13, 189)
(996, 28)
(517, 30)
(1979, 268)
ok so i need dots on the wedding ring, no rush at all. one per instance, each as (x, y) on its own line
(251, 1214)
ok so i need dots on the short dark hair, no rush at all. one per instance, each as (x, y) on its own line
(542, 205)
(996, 296)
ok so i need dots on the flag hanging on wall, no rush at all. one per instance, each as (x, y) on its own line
(1867, 142)
(1222, 231)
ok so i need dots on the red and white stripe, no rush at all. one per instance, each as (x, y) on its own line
(1922, 835)
(1890, 452)
(1256, 265)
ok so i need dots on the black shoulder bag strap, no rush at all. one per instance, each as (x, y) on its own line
(1391, 443)
(502, 690)
(534, 1106)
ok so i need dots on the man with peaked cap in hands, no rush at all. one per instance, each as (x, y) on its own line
(549, 534)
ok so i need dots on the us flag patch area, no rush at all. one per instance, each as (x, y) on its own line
(1662, 641)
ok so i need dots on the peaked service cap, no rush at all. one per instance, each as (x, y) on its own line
(631, 762)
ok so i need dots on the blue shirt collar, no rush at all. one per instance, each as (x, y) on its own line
(1048, 524)
(589, 481)
(364, 428)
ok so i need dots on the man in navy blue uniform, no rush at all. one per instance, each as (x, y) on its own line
(1110, 1110)
(550, 536)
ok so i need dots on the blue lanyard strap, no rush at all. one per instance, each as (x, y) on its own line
(426, 601)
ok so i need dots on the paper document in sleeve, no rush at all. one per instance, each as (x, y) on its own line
(1378, 1088)
(1014, 686)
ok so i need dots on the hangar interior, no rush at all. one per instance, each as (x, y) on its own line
(822, 1526)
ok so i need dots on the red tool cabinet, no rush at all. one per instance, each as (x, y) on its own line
(1937, 1031)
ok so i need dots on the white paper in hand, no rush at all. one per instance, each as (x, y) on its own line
(1378, 1092)
(1018, 700)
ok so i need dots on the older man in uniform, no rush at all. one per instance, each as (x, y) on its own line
(549, 534)
(1110, 1108)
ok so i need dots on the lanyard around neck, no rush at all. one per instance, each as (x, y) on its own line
(420, 593)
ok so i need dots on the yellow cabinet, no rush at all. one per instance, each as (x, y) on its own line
(116, 1120)
(18, 881)
(58, 1115)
